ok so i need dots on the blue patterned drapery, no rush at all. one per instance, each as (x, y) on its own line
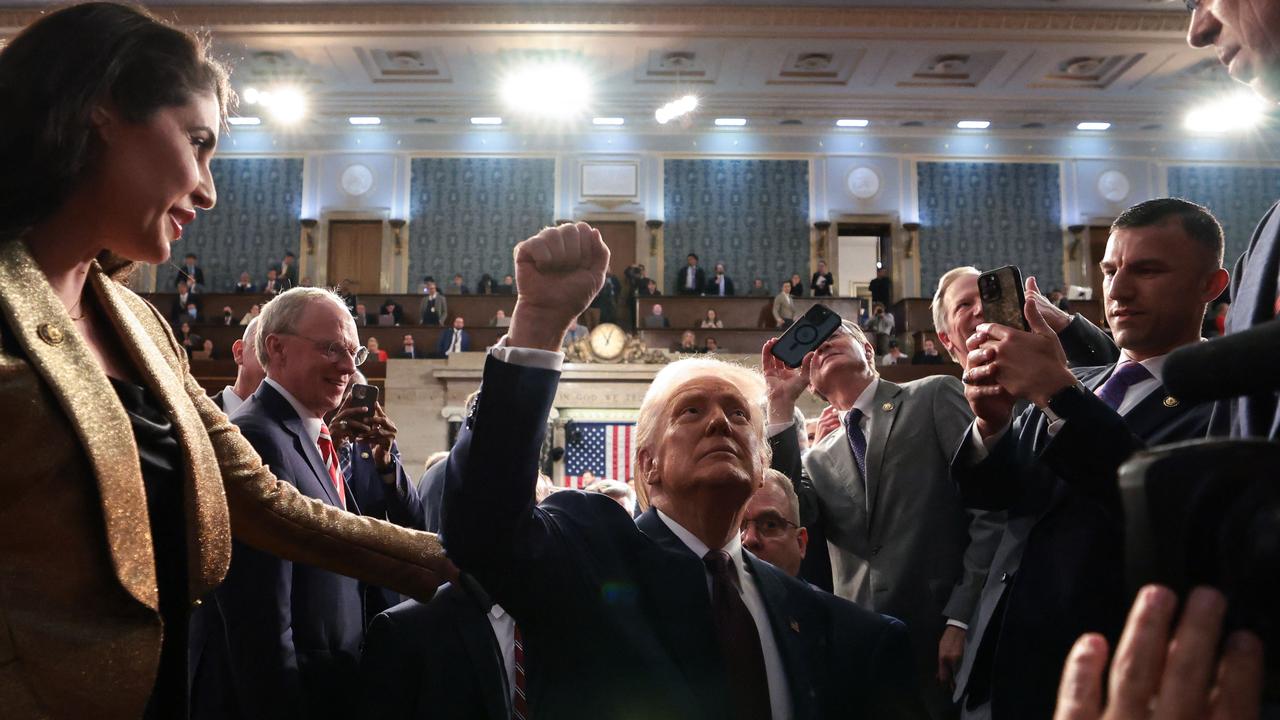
(1237, 196)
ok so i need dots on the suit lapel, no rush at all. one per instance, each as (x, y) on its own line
(789, 633)
(283, 412)
(885, 412)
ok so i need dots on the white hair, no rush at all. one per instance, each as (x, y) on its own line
(282, 314)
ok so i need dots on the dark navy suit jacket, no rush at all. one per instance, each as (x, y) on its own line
(294, 630)
(621, 605)
(1058, 571)
(434, 661)
(446, 339)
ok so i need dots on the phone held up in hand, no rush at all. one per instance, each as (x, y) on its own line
(1002, 297)
(805, 335)
(363, 396)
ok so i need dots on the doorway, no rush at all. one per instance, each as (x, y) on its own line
(355, 253)
(620, 237)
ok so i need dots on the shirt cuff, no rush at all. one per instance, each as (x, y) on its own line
(777, 428)
(957, 623)
(526, 357)
(980, 447)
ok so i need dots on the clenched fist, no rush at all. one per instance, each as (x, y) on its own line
(559, 271)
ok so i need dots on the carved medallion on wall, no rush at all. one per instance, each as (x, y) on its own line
(356, 180)
(863, 183)
(1113, 185)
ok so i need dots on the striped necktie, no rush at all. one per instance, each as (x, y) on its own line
(519, 702)
(331, 464)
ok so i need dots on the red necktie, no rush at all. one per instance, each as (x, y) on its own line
(519, 704)
(331, 462)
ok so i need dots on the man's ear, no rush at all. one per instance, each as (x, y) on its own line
(947, 344)
(104, 120)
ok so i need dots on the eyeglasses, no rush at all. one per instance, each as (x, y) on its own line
(1194, 5)
(768, 525)
(333, 349)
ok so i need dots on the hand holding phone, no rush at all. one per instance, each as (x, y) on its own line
(805, 335)
(1002, 297)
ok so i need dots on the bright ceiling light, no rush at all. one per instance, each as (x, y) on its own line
(676, 108)
(286, 105)
(973, 124)
(1232, 113)
(608, 121)
(1094, 126)
(486, 121)
(549, 89)
(731, 122)
(250, 95)
(244, 120)
(850, 122)
(364, 120)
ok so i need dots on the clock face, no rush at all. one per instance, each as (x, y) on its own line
(608, 341)
(357, 180)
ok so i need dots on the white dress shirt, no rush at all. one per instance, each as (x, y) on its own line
(230, 400)
(310, 422)
(504, 630)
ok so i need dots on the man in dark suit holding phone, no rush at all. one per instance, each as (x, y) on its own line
(1053, 468)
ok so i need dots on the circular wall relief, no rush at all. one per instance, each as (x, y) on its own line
(863, 183)
(1113, 185)
(357, 180)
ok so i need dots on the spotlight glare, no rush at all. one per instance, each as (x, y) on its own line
(731, 122)
(286, 105)
(250, 95)
(486, 121)
(244, 120)
(973, 124)
(364, 120)
(676, 108)
(851, 122)
(1094, 126)
(555, 89)
(1233, 113)
(608, 121)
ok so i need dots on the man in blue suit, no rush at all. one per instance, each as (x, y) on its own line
(1246, 33)
(1058, 571)
(666, 615)
(294, 631)
(454, 339)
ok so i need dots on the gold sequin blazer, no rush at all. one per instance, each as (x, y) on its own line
(80, 628)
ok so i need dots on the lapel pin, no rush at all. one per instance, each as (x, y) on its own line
(795, 627)
(887, 407)
(1171, 401)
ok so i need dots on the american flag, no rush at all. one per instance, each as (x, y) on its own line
(603, 448)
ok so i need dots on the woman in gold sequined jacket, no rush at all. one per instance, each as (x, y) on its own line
(108, 120)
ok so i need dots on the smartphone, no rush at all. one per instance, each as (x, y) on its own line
(805, 335)
(363, 396)
(1002, 297)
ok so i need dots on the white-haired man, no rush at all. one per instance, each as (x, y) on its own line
(900, 540)
(664, 616)
(249, 372)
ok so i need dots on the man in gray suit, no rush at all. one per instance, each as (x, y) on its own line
(901, 542)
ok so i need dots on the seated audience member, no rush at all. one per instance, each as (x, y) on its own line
(784, 309)
(486, 285)
(881, 328)
(245, 284)
(616, 489)
(205, 352)
(759, 289)
(881, 287)
(771, 527)
(361, 316)
(435, 308)
(346, 291)
(454, 339)
(507, 286)
(500, 319)
(899, 539)
(273, 285)
(822, 281)
(392, 308)
(191, 273)
(575, 333)
(690, 279)
(711, 320)
(228, 318)
(709, 345)
(184, 334)
(458, 286)
(928, 354)
(651, 288)
(1053, 468)
(193, 344)
(181, 302)
(407, 349)
(719, 284)
(249, 372)
(287, 271)
(665, 616)
(688, 343)
(797, 287)
(655, 320)
(895, 356)
(376, 353)
(254, 310)
(194, 313)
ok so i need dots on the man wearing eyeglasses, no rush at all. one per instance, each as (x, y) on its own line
(294, 631)
(771, 526)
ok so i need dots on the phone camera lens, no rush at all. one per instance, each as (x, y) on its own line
(806, 334)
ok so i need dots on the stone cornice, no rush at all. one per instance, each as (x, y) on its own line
(720, 21)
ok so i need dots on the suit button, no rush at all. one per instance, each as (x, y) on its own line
(51, 334)
(198, 602)
(1004, 577)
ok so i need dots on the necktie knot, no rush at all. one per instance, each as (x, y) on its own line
(721, 567)
(854, 418)
(1126, 375)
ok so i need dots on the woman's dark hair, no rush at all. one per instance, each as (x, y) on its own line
(57, 70)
